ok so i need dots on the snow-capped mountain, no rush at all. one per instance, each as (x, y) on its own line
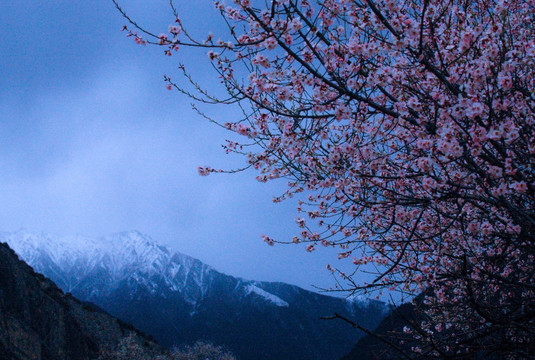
(92, 268)
(179, 300)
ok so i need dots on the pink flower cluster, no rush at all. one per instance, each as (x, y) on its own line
(409, 127)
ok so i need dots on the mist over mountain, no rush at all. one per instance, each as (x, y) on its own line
(179, 300)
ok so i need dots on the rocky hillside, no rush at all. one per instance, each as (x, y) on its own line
(39, 322)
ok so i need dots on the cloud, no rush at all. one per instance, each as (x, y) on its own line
(91, 142)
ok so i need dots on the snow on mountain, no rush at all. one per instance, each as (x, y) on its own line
(264, 294)
(87, 266)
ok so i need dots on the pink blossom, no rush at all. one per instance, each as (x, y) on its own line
(260, 59)
(520, 187)
(268, 240)
(162, 39)
(270, 43)
(429, 183)
(174, 29)
(295, 24)
(204, 171)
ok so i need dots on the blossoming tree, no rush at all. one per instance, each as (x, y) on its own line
(409, 127)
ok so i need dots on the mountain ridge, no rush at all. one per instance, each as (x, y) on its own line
(179, 299)
(154, 259)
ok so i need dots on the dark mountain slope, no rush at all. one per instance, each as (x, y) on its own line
(39, 322)
(390, 337)
(245, 322)
(391, 342)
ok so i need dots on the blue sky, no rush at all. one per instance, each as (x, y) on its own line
(92, 142)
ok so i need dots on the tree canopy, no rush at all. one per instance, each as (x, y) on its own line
(409, 128)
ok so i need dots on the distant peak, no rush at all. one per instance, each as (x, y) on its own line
(121, 256)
